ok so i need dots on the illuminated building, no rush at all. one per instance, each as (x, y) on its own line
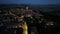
(27, 8)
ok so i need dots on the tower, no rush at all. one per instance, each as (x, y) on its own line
(27, 8)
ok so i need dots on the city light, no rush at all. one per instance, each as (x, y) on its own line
(27, 18)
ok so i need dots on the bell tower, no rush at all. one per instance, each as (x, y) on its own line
(27, 8)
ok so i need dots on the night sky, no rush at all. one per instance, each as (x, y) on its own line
(29, 1)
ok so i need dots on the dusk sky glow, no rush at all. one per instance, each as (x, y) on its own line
(29, 1)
